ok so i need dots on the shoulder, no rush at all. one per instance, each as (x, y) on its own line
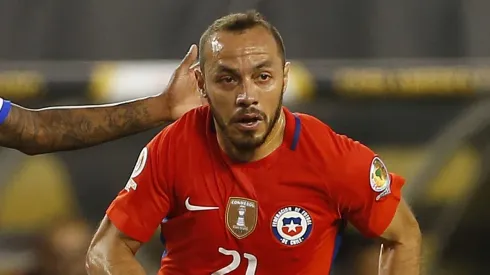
(317, 131)
(312, 123)
(166, 147)
(320, 134)
(185, 129)
(343, 159)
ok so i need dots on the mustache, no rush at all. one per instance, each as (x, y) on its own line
(252, 112)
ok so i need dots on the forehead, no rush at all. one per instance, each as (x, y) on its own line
(241, 48)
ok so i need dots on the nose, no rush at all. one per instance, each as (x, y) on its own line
(248, 95)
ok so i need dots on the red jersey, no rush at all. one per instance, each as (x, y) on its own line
(278, 215)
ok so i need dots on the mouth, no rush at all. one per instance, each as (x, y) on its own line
(249, 122)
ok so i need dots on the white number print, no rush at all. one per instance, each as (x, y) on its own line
(235, 263)
(252, 263)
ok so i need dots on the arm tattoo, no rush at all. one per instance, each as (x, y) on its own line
(69, 128)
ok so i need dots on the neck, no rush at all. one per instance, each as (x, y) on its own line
(271, 143)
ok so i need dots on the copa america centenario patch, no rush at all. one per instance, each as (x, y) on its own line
(379, 178)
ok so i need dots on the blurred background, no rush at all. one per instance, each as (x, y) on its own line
(409, 78)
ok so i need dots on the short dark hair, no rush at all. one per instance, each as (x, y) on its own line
(239, 22)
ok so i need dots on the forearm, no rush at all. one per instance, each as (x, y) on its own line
(118, 263)
(68, 128)
(400, 258)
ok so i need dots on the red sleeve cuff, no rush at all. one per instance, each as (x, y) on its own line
(127, 225)
(384, 209)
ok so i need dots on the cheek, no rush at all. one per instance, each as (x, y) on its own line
(223, 103)
(271, 101)
(225, 99)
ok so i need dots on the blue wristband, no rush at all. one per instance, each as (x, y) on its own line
(5, 110)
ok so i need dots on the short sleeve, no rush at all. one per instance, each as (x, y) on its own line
(366, 193)
(141, 206)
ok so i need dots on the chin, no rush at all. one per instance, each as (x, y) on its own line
(246, 146)
(248, 143)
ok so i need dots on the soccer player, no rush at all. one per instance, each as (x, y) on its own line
(68, 128)
(244, 186)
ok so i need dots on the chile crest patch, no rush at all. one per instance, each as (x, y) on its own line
(292, 225)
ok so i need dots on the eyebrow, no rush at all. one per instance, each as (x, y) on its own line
(224, 68)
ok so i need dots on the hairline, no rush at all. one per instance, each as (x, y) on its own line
(210, 32)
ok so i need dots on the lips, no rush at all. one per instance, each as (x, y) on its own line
(248, 122)
(248, 118)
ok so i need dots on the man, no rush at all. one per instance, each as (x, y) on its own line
(243, 186)
(68, 128)
(61, 249)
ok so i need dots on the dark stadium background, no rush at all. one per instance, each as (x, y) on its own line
(408, 78)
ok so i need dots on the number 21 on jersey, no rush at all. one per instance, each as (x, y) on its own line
(235, 263)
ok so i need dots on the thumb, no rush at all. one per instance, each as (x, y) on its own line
(190, 58)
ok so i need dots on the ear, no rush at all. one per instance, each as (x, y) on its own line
(200, 82)
(287, 66)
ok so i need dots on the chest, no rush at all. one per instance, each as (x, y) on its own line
(259, 210)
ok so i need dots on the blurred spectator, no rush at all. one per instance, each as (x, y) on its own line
(63, 247)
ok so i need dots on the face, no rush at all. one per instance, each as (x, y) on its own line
(244, 79)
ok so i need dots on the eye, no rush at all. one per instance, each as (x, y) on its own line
(264, 77)
(226, 79)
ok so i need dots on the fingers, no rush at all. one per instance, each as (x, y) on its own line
(195, 66)
(190, 58)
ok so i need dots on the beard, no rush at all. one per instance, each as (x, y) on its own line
(246, 141)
